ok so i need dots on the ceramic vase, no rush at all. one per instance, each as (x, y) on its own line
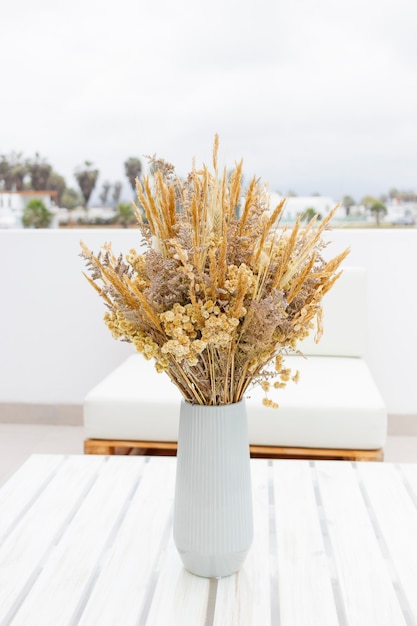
(213, 522)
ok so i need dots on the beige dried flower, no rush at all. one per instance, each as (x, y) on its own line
(221, 293)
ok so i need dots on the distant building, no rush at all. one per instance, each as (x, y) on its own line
(13, 203)
(93, 215)
(402, 209)
(295, 205)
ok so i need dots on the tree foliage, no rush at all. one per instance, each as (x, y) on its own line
(308, 214)
(86, 177)
(104, 194)
(117, 190)
(368, 201)
(57, 183)
(36, 215)
(34, 174)
(71, 198)
(13, 171)
(378, 210)
(375, 207)
(126, 214)
(348, 202)
(39, 171)
(133, 170)
(4, 171)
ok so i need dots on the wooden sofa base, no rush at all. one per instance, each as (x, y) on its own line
(163, 448)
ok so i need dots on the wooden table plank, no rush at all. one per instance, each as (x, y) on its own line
(410, 470)
(304, 581)
(366, 588)
(88, 540)
(396, 516)
(180, 599)
(409, 473)
(23, 487)
(138, 556)
(245, 599)
(58, 592)
(25, 549)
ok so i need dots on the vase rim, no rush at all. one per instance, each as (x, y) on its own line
(210, 406)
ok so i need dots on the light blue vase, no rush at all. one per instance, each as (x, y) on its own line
(213, 521)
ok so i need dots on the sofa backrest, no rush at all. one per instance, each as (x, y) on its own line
(345, 318)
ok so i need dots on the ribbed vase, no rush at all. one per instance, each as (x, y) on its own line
(213, 523)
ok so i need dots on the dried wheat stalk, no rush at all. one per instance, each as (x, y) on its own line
(216, 298)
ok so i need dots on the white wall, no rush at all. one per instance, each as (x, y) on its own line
(390, 257)
(54, 346)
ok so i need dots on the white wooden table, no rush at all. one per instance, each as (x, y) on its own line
(88, 540)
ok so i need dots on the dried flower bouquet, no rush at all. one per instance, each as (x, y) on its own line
(220, 295)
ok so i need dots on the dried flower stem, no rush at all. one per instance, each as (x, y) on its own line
(216, 297)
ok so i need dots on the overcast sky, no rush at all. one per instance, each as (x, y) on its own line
(314, 96)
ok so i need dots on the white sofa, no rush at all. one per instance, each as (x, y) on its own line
(334, 411)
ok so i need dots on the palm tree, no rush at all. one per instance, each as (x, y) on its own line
(39, 171)
(104, 194)
(86, 178)
(57, 183)
(378, 210)
(117, 190)
(13, 171)
(70, 198)
(376, 207)
(348, 202)
(133, 170)
(4, 171)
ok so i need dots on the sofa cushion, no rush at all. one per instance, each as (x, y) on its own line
(345, 317)
(336, 404)
(133, 402)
